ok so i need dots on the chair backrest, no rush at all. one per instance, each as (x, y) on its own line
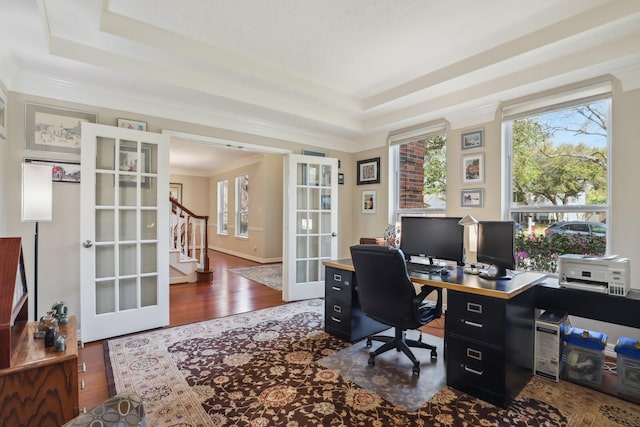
(384, 288)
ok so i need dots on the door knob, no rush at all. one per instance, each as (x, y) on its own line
(87, 243)
(333, 234)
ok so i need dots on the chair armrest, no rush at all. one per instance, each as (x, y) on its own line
(424, 292)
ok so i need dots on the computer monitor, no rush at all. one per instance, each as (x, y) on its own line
(496, 246)
(440, 238)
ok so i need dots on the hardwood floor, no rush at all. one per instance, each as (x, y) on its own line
(227, 294)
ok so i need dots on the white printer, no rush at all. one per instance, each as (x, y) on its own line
(604, 274)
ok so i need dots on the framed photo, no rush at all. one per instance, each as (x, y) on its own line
(472, 198)
(369, 201)
(473, 139)
(60, 171)
(473, 169)
(128, 162)
(369, 171)
(132, 124)
(3, 114)
(341, 178)
(54, 129)
(175, 191)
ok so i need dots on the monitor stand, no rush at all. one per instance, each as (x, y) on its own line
(496, 273)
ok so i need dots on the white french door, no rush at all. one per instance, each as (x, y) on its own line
(310, 224)
(124, 227)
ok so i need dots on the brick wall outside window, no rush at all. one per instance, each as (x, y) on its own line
(411, 174)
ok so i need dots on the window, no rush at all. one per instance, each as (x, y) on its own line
(223, 207)
(242, 206)
(420, 159)
(559, 186)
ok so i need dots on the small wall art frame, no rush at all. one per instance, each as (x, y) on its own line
(3, 113)
(175, 191)
(473, 198)
(54, 129)
(369, 202)
(471, 140)
(132, 124)
(368, 171)
(60, 171)
(473, 168)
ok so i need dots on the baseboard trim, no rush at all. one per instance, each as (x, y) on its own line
(246, 256)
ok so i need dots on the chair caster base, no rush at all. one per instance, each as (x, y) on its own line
(434, 354)
(372, 361)
(416, 369)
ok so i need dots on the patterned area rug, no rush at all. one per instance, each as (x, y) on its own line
(269, 275)
(261, 369)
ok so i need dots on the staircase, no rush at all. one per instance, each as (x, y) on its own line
(188, 257)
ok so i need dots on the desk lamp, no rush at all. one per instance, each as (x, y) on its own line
(472, 223)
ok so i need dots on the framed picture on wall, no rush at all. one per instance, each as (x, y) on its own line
(132, 124)
(473, 139)
(473, 169)
(369, 202)
(60, 171)
(471, 198)
(175, 191)
(54, 129)
(369, 171)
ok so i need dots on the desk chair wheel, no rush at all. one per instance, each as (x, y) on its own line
(416, 368)
(372, 361)
(369, 344)
(434, 354)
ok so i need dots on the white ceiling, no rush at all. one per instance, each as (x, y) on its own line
(326, 73)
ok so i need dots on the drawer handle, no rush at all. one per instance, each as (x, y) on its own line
(81, 384)
(474, 324)
(474, 307)
(336, 320)
(473, 371)
(337, 308)
(337, 277)
(82, 367)
(474, 354)
(336, 288)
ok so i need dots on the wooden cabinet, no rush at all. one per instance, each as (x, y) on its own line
(343, 316)
(41, 386)
(489, 344)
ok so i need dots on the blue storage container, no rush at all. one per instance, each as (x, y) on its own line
(628, 361)
(583, 356)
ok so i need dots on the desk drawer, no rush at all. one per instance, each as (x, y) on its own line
(473, 364)
(476, 316)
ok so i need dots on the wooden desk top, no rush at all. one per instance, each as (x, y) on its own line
(470, 283)
(31, 351)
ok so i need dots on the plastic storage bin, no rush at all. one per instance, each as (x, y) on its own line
(583, 356)
(628, 355)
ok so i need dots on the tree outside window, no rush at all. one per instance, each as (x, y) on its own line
(559, 183)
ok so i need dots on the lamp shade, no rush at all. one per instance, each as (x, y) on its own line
(37, 192)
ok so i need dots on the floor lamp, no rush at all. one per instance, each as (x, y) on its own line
(37, 205)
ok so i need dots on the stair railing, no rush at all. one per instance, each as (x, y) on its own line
(182, 224)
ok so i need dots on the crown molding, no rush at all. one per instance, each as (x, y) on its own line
(473, 115)
(52, 86)
(629, 77)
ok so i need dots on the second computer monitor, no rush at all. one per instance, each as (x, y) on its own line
(496, 246)
(440, 238)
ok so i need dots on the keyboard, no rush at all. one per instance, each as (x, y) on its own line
(424, 268)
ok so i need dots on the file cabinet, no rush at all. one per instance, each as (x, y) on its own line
(343, 316)
(489, 344)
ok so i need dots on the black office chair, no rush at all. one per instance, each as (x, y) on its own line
(387, 295)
